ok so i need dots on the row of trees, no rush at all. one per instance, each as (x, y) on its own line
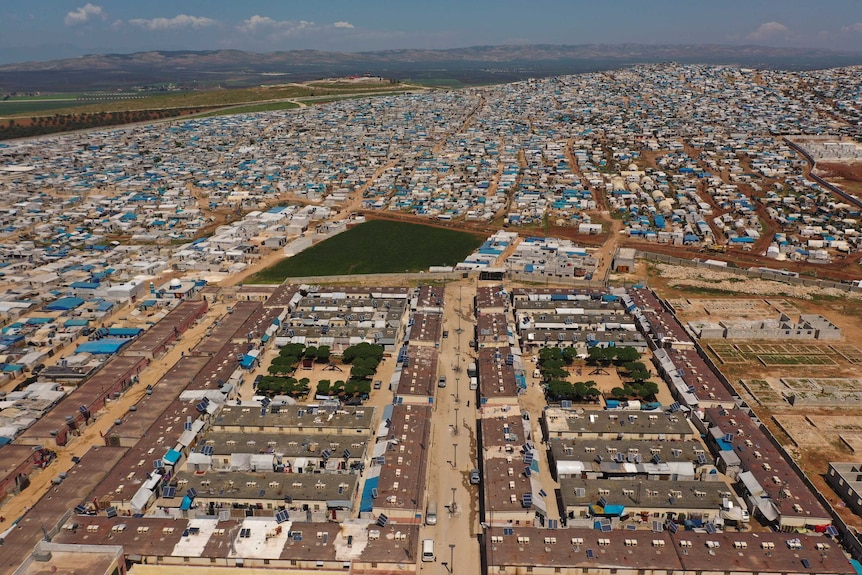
(290, 355)
(38, 125)
(349, 388)
(554, 362)
(275, 385)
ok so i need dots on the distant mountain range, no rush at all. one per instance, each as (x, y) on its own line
(478, 64)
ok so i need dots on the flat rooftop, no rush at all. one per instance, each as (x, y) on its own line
(611, 424)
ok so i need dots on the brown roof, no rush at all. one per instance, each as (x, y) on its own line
(426, 328)
(496, 379)
(420, 375)
(762, 454)
(406, 461)
(48, 511)
(117, 369)
(163, 332)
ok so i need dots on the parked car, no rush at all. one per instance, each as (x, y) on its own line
(378, 384)
(474, 477)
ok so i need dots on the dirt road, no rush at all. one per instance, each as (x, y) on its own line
(454, 449)
(40, 482)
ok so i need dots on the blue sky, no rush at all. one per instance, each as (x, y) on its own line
(47, 29)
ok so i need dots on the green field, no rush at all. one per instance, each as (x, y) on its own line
(377, 246)
(38, 107)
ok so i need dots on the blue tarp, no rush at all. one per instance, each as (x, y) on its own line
(367, 502)
(172, 456)
(186, 504)
(105, 346)
(64, 304)
(124, 331)
(76, 322)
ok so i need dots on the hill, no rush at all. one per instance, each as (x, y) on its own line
(477, 64)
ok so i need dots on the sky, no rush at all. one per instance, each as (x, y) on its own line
(51, 29)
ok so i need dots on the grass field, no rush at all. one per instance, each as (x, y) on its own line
(216, 98)
(36, 107)
(377, 246)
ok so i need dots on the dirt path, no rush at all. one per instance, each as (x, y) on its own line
(40, 482)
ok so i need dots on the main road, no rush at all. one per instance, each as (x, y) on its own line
(454, 444)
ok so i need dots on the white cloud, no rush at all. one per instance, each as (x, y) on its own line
(178, 21)
(769, 30)
(343, 25)
(83, 14)
(258, 24)
(857, 27)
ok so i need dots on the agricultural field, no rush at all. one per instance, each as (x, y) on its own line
(785, 354)
(377, 246)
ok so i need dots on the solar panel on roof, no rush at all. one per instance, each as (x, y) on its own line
(158, 464)
(710, 528)
(602, 501)
(208, 450)
(656, 458)
(262, 411)
(201, 407)
(832, 530)
(382, 520)
(728, 437)
(580, 492)
(281, 516)
(205, 400)
(169, 492)
(566, 404)
(553, 524)
(672, 527)
(657, 527)
(619, 458)
(631, 527)
(265, 401)
(590, 554)
(83, 409)
(346, 453)
(527, 500)
(527, 472)
(674, 407)
(79, 509)
(806, 563)
(528, 458)
(508, 531)
(111, 512)
(543, 493)
(326, 453)
(224, 515)
(701, 459)
(606, 528)
(187, 426)
(192, 492)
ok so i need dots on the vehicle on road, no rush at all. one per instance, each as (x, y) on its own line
(474, 477)
(442, 381)
(428, 550)
(378, 384)
(431, 513)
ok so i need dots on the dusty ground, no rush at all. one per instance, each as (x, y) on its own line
(811, 434)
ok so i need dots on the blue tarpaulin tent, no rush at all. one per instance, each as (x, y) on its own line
(105, 346)
(64, 304)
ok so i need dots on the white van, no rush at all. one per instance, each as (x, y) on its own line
(431, 513)
(428, 550)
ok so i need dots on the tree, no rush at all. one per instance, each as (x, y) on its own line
(323, 354)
